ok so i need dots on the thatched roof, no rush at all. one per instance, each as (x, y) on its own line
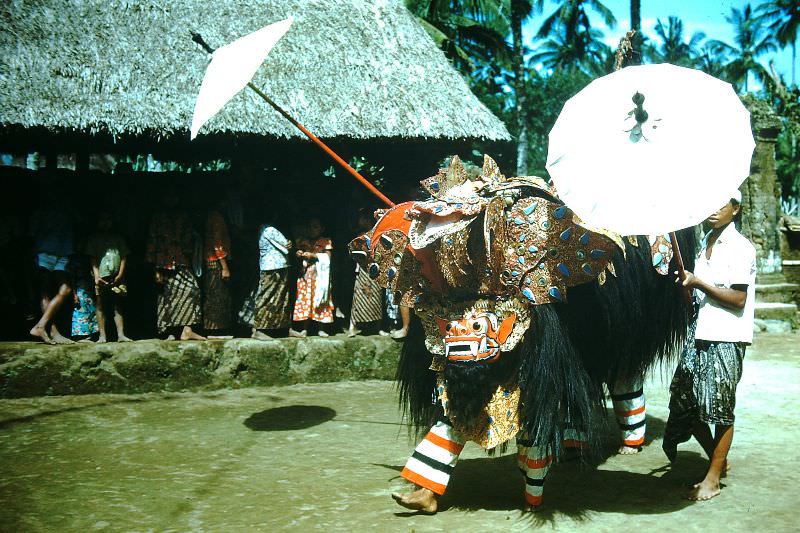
(348, 68)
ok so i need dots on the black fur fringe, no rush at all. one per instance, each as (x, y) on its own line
(604, 333)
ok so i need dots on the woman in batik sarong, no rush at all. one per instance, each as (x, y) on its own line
(271, 304)
(217, 307)
(703, 390)
(367, 307)
(170, 248)
(314, 287)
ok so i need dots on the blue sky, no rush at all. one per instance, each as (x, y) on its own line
(707, 16)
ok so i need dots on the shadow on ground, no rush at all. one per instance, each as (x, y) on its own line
(290, 417)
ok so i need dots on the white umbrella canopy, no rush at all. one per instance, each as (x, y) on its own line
(638, 174)
(231, 68)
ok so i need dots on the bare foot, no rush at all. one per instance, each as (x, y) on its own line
(297, 334)
(353, 332)
(322, 333)
(400, 334)
(705, 490)
(58, 338)
(170, 337)
(39, 331)
(123, 338)
(260, 336)
(188, 334)
(629, 450)
(422, 500)
(101, 339)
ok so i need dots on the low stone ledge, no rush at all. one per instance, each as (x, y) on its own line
(34, 369)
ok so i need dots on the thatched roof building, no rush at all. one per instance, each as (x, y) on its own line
(127, 70)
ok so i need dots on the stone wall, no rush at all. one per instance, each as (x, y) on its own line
(34, 369)
(761, 191)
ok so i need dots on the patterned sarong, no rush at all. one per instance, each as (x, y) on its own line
(178, 302)
(216, 298)
(272, 304)
(367, 299)
(703, 389)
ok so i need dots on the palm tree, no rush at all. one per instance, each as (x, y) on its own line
(784, 18)
(468, 31)
(520, 10)
(583, 52)
(636, 24)
(711, 61)
(571, 17)
(751, 41)
(672, 48)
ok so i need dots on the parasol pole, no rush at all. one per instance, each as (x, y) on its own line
(196, 37)
(624, 51)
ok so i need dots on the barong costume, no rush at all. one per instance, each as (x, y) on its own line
(170, 246)
(703, 389)
(522, 312)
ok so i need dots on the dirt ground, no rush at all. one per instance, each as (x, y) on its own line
(327, 456)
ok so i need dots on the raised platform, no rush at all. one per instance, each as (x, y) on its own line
(35, 369)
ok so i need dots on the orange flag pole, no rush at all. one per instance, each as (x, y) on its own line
(199, 40)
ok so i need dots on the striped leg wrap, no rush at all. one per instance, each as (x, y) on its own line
(575, 439)
(434, 458)
(629, 408)
(534, 463)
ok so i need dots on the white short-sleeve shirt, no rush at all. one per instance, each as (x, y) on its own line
(733, 262)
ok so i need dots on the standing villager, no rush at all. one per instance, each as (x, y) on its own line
(271, 300)
(170, 246)
(367, 294)
(703, 389)
(314, 300)
(52, 232)
(108, 252)
(217, 306)
(84, 312)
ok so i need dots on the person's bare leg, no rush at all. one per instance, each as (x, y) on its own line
(119, 321)
(702, 433)
(40, 328)
(422, 500)
(188, 334)
(405, 316)
(101, 320)
(55, 303)
(709, 487)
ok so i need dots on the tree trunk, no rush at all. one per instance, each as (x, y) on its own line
(517, 52)
(636, 24)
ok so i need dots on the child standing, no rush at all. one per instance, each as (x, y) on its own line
(314, 299)
(108, 253)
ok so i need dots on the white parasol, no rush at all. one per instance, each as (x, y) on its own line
(231, 68)
(656, 167)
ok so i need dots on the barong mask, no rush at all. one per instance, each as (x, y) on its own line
(475, 256)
